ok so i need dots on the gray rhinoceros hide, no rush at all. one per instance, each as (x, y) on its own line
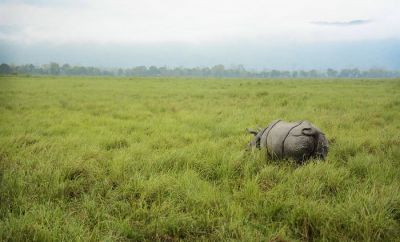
(298, 140)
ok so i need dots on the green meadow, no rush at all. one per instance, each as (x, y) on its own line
(165, 159)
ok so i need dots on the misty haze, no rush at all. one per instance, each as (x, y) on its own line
(191, 120)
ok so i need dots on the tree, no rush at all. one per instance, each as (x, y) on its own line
(139, 71)
(313, 73)
(153, 70)
(120, 72)
(218, 70)
(331, 72)
(355, 72)
(5, 69)
(275, 73)
(54, 68)
(65, 69)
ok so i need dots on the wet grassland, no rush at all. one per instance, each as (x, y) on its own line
(164, 159)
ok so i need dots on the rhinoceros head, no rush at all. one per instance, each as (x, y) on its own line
(322, 148)
(255, 142)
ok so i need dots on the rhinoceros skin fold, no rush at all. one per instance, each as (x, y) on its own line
(296, 140)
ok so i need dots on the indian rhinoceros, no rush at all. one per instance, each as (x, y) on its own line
(298, 140)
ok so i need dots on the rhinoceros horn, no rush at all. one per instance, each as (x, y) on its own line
(255, 142)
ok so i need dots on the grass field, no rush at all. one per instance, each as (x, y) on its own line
(164, 159)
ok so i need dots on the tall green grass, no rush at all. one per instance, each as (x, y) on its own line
(164, 159)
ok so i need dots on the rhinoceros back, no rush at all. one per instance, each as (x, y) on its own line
(298, 140)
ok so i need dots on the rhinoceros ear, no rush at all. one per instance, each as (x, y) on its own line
(252, 131)
(309, 131)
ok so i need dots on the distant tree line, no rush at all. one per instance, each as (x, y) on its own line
(215, 71)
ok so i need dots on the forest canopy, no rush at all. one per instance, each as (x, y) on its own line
(214, 71)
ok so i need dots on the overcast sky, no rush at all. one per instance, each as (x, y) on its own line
(201, 32)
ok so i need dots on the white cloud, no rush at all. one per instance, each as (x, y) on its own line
(196, 21)
(345, 23)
